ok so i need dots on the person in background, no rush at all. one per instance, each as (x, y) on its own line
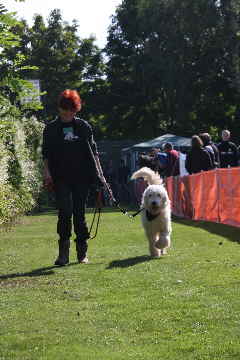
(148, 159)
(211, 148)
(198, 159)
(172, 168)
(228, 151)
(161, 161)
(71, 167)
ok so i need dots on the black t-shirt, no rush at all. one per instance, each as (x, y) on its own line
(228, 154)
(70, 148)
(71, 159)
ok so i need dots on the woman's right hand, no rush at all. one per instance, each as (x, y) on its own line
(48, 182)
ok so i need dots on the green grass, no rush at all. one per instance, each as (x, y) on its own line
(122, 305)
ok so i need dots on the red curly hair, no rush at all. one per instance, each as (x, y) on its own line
(69, 100)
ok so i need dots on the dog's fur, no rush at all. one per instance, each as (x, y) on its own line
(156, 204)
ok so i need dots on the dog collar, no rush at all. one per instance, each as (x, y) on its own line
(150, 216)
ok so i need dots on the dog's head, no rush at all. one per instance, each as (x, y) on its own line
(155, 198)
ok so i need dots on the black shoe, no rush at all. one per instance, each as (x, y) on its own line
(61, 262)
(63, 257)
(81, 248)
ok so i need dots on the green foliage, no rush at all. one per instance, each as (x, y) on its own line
(12, 83)
(14, 203)
(174, 65)
(19, 135)
(20, 177)
(55, 54)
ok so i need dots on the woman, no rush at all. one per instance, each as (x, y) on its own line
(71, 166)
(198, 159)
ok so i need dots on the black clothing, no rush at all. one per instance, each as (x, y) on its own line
(198, 159)
(210, 151)
(69, 148)
(216, 162)
(228, 153)
(71, 200)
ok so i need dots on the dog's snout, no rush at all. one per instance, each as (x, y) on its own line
(154, 203)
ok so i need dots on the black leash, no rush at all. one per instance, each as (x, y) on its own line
(125, 211)
(98, 209)
(93, 220)
(116, 203)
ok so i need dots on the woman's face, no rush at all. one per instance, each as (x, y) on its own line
(225, 135)
(67, 115)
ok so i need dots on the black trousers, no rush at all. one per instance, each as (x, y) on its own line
(71, 203)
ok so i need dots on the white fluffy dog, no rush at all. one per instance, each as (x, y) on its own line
(156, 213)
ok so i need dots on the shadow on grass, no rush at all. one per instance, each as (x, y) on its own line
(229, 232)
(44, 271)
(129, 262)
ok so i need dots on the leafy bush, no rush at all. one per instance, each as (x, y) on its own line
(20, 163)
(19, 136)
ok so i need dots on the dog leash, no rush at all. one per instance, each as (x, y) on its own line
(98, 209)
(116, 203)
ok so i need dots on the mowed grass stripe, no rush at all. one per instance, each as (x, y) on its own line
(122, 305)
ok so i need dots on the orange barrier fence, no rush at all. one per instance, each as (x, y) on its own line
(210, 195)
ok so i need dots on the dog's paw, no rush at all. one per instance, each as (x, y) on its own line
(162, 243)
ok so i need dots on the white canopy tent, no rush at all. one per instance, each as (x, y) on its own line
(130, 154)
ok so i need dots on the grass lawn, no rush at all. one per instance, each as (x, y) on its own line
(122, 305)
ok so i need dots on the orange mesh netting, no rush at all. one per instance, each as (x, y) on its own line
(210, 195)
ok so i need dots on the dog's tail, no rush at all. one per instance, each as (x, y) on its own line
(149, 175)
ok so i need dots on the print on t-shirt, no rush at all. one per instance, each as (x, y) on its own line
(69, 135)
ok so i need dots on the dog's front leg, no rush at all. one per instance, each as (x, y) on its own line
(154, 251)
(163, 242)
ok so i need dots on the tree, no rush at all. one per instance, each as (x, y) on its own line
(173, 62)
(62, 58)
(19, 180)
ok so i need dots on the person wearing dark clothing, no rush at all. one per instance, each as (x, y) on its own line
(149, 159)
(211, 148)
(228, 151)
(172, 168)
(161, 161)
(198, 159)
(71, 167)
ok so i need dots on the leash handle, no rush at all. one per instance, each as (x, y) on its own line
(98, 219)
(98, 208)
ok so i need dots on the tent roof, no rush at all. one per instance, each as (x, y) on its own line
(177, 141)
